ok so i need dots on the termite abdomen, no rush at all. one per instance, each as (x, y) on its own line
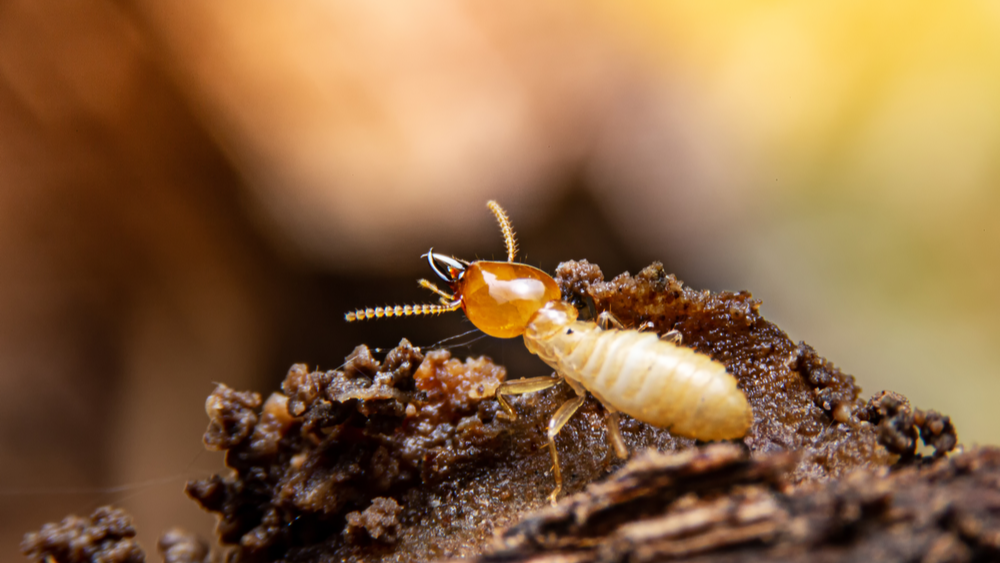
(650, 379)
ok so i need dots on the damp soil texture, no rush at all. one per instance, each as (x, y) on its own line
(407, 457)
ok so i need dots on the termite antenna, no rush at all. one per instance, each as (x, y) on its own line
(401, 311)
(508, 231)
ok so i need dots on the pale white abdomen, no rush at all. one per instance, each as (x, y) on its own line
(650, 379)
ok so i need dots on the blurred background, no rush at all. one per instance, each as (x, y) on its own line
(194, 193)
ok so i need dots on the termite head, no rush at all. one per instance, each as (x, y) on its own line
(498, 297)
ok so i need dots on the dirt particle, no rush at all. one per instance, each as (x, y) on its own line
(378, 522)
(106, 535)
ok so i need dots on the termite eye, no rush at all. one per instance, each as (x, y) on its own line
(500, 297)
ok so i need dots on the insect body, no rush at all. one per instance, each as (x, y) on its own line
(638, 373)
(649, 378)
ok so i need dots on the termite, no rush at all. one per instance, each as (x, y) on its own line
(650, 378)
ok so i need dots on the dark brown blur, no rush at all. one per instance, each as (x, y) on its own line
(196, 193)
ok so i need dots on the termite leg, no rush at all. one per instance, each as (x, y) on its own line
(673, 337)
(606, 319)
(562, 416)
(428, 285)
(614, 431)
(615, 435)
(520, 387)
(591, 307)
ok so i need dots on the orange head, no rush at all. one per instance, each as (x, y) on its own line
(498, 297)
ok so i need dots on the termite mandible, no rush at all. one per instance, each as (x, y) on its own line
(652, 379)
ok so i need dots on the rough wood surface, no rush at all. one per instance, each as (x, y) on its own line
(715, 504)
(406, 458)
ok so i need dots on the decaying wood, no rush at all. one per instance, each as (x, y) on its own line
(716, 504)
(406, 458)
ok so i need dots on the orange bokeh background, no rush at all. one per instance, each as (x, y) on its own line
(195, 193)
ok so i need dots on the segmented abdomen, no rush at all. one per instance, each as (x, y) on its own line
(652, 380)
